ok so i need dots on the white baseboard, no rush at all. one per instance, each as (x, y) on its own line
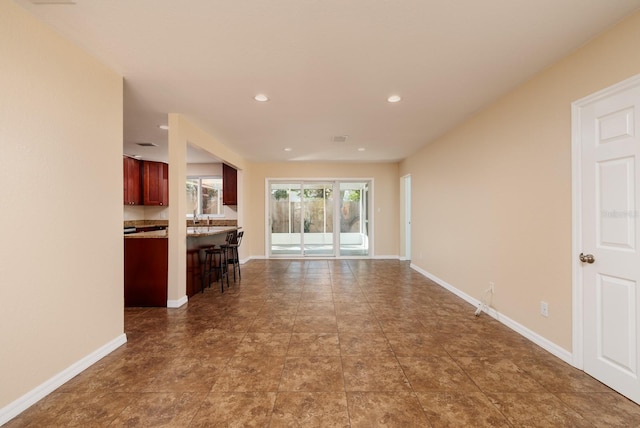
(389, 257)
(177, 303)
(544, 343)
(13, 409)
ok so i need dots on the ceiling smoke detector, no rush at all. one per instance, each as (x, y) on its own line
(339, 138)
(147, 144)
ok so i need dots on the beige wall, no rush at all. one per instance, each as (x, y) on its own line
(140, 212)
(61, 253)
(204, 169)
(183, 132)
(385, 188)
(492, 198)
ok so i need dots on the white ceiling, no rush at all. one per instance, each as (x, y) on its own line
(328, 66)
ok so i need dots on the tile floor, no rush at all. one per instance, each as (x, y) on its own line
(328, 344)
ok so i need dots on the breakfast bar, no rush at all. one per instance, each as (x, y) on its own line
(146, 261)
(199, 238)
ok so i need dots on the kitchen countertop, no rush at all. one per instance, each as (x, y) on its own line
(149, 234)
(192, 232)
(197, 231)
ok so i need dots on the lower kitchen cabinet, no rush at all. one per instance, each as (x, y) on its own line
(145, 271)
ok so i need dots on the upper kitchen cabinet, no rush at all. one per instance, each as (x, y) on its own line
(155, 183)
(132, 194)
(229, 185)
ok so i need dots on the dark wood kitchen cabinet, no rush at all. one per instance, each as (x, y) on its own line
(155, 183)
(131, 168)
(145, 271)
(229, 185)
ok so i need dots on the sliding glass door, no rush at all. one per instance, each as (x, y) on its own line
(354, 219)
(306, 219)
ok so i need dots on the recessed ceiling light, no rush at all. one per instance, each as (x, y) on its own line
(165, 127)
(137, 156)
(361, 149)
(287, 149)
(394, 98)
(147, 144)
(261, 98)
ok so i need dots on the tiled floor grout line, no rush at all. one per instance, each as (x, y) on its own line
(344, 381)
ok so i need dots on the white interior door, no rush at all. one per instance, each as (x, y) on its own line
(405, 212)
(610, 265)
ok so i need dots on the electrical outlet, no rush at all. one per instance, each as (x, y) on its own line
(492, 286)
(544, 309)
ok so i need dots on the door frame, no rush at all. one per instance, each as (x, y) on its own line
(336, 255)
(576, 204)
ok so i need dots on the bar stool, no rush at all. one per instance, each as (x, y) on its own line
(233, 256)
(215, 261)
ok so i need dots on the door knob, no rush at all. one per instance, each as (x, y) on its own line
(587, 258)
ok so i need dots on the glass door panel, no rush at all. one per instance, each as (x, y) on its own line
(318, 219)
(354, 219)
(285, 216)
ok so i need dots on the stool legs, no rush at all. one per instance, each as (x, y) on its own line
(215, 261)
(236, 262)
(233, 258)
(223, 268)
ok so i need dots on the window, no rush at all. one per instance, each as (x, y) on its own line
(204, 196)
